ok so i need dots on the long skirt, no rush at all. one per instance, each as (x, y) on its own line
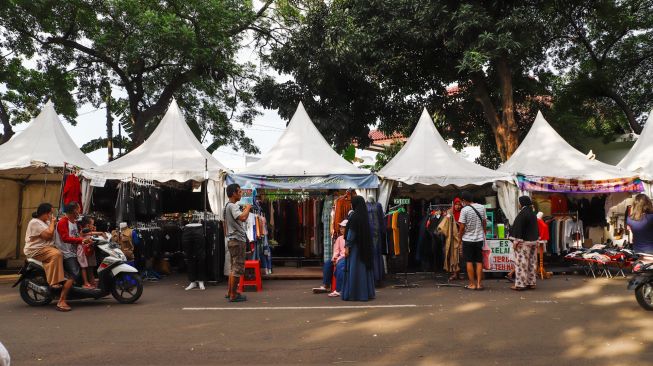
(53, 263)
(358, 279)
(525, 265)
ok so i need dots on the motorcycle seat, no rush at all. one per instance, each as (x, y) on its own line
(34, 261)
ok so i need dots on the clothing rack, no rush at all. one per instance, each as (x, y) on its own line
(406, 284)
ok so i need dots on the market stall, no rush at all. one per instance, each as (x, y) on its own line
(640, 157)
(162, 187)
(32, 167)
(303, 190)
(573, 191)
(424, 178)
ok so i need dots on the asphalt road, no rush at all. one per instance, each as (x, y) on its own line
(566, 321)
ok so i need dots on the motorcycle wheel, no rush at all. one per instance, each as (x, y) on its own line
(644, 296)
(127, 287)
(31, 297)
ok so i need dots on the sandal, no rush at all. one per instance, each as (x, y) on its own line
(63, 308)
(56, 286)
(515, 288)
(334, 294)
(468, 287)
(239, 298)
(480, 288)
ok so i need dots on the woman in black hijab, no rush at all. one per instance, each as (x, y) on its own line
(359, 278)
(526, 234)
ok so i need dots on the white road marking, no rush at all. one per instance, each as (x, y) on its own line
(311, 307)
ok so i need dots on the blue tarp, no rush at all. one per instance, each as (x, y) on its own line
(334, 181)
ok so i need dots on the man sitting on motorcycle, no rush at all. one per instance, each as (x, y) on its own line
(68, 239)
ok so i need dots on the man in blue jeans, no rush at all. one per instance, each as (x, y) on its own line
(337, 261)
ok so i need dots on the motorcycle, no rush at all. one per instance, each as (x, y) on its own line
(642, 281)
(116, 277)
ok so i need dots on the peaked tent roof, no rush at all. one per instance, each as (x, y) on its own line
(428, 159)
(44, 143)
(302, 151)
(545, 153)
(640, 157)
(172, 152)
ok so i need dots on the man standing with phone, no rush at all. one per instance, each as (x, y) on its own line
(235, 218)
(472, 230)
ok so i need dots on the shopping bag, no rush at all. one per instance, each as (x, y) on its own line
(486, 255)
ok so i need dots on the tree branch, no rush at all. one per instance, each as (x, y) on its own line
(7, 130)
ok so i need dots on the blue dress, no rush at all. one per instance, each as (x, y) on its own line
(359, 280)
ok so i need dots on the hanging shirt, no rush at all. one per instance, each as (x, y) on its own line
(395, 233)
(72, 190)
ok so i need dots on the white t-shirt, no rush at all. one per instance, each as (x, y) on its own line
(33, 241)
(474, 230)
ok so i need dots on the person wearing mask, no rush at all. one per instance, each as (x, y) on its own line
(67, 239)
(472, 231)
(640, 223)
(39, 245)
(525, 233)
(235, 219)
(359, 276)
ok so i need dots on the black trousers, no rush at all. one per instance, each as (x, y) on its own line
(194, 245)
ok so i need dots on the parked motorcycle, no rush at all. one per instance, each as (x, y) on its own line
(642, 281)
(116, 277)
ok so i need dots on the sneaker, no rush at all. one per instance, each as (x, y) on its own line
(191, 286)
(320, 290)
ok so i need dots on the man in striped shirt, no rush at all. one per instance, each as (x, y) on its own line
(472, 230)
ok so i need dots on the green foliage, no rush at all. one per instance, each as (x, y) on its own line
(356, 63)
(152, 51)
(606, 48)
(349, 153)
(389, 152)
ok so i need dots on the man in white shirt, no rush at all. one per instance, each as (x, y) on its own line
(472, 231)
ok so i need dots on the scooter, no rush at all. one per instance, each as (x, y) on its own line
(116, 277)
(642, 281)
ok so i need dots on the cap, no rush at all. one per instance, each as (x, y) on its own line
(344, 222)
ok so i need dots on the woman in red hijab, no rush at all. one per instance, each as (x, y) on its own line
(457, 207)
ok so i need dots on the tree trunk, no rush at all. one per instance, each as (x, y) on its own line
(7, 131)
(508, 129)
(109, 126)
(504, 127)
(630, 115)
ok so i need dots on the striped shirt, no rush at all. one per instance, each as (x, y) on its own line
(473, 224)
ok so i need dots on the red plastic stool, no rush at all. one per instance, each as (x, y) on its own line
(256, 266)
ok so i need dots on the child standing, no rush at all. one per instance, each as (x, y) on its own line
(337, 262)
(85, 253)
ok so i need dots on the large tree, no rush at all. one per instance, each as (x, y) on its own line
(24, 90)
(154, 51)
(605, 48)
(356, 63)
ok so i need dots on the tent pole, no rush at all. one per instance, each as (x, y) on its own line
(204, 190)
(63, 176)
(19, 222)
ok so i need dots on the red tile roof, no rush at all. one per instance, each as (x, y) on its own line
(376, 135)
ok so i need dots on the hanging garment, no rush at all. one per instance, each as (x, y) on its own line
(395, 233)
(559, 204)
(195, 251)
(326, 228)
(377, 230)
(72, 190)
(449, 228)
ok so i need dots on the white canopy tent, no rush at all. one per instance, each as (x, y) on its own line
(171, 153)
(428, 160)
(640, 157)
(31, 169)
(544, 153)
(303, 154)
